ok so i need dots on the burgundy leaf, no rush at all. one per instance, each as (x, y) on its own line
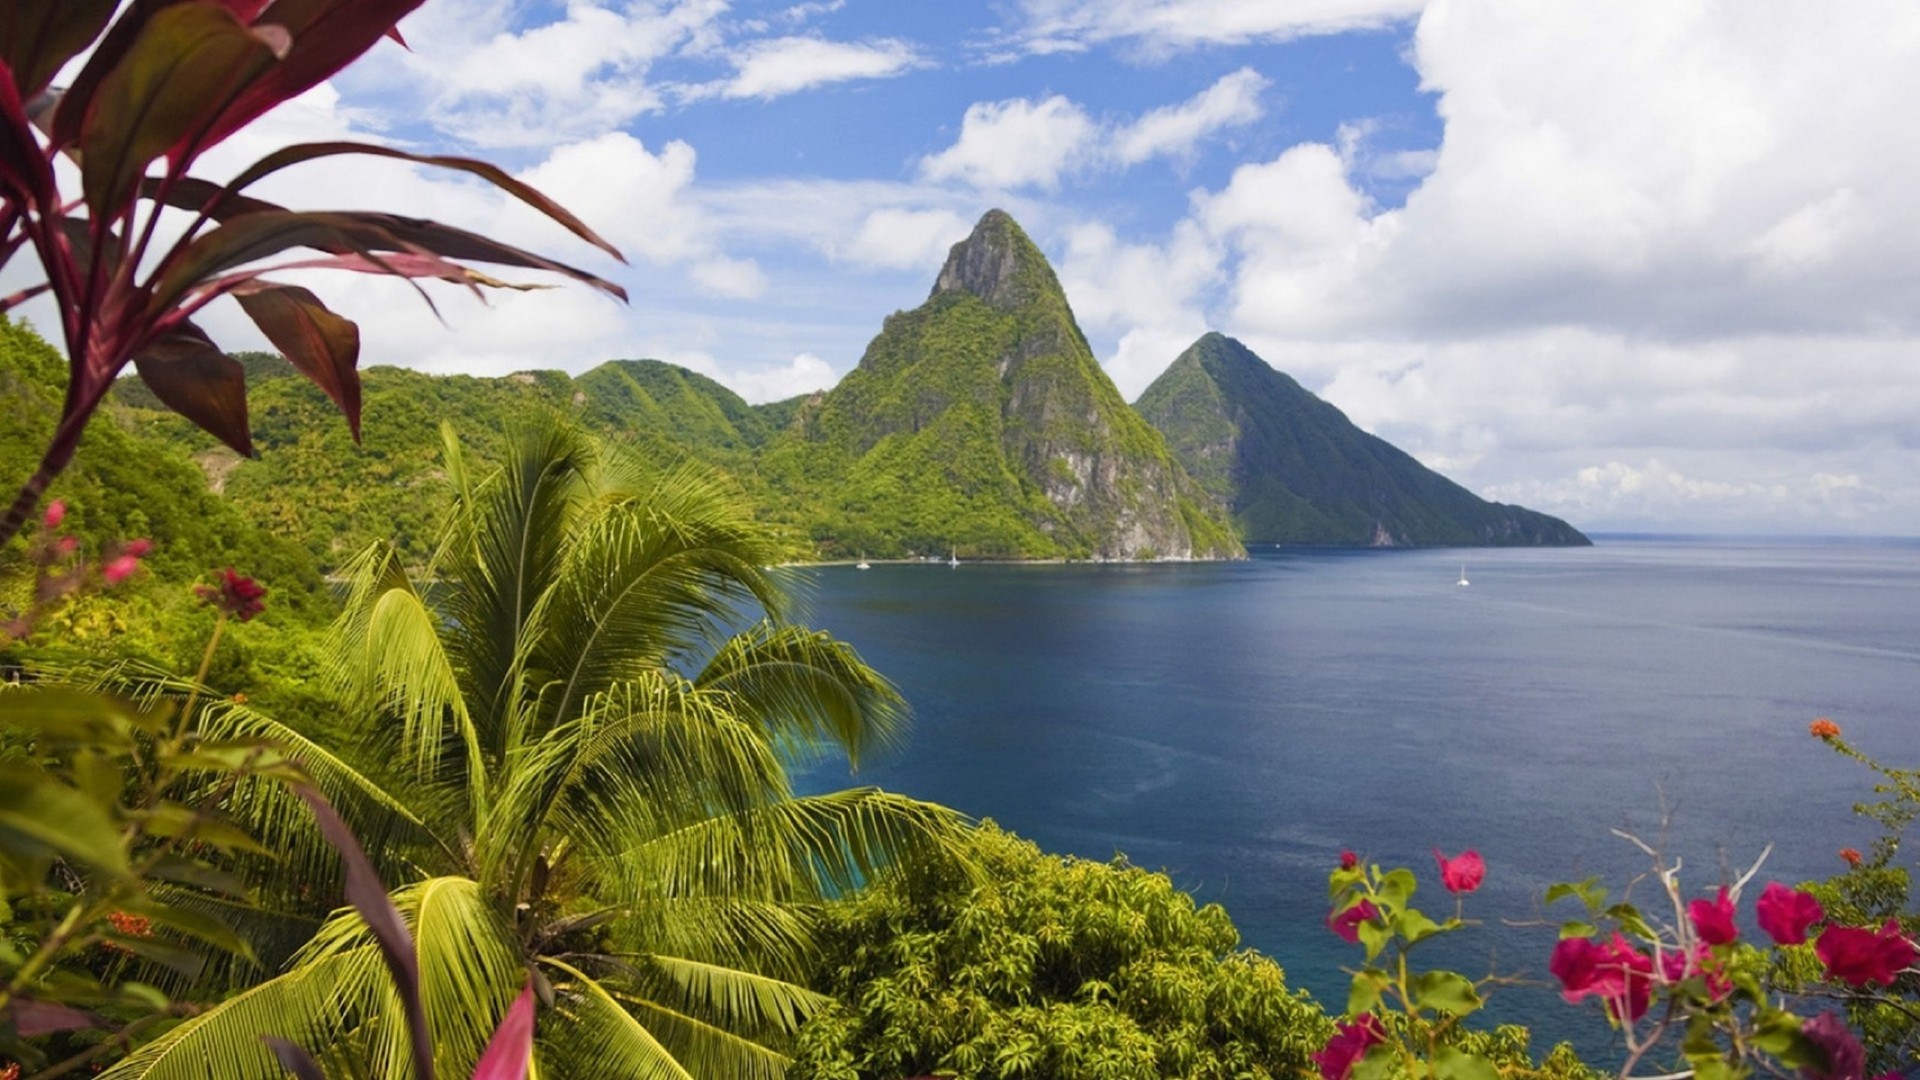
(77, 102)
(183, 68)
(38, 36)
(369, 897)
(493, 174)
(322, 345)
(191, 376)
(216, 201)
(327, 35)
(26, 174)
(9, 303)
(445, 240)
(32, 1019)
(293, 1059)
(510, 1051)
(255, 236)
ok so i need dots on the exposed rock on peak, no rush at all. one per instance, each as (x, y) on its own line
(998, 264)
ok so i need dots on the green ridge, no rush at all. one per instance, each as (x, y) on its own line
(1294, 470)
(981, 423)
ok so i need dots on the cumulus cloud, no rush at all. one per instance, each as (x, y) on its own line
(776, 67)
(1016, 143)
(902, 239)
(1176, 129)
(1024, 143)
(803, 374)
(487, 82)
(1160, 27)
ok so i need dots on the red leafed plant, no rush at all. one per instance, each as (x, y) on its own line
(166, 81)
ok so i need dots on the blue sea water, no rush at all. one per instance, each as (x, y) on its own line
(1238, 725)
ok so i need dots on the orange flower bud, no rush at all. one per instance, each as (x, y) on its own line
(1824, 728)
(1851, 855)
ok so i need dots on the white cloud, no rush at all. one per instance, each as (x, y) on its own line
(1174, 130)
(1016, 143)
(1150, 295)
(487, 83)
(1159, 27)
(1023, 143)
(902, 239)
(777, 67)
(803, 374)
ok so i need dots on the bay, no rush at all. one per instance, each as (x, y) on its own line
(1238, 724)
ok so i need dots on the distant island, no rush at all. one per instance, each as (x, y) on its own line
(978, 424)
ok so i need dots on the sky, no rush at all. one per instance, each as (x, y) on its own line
(1651, 265)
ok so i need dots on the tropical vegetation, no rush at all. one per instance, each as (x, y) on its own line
(575, 739)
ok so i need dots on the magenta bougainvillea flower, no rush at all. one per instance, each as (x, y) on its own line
(238, 596)
(1615, 972)
(1846, 1059)
(1350, 1042)
(56, 513)
(1713, 919)
(1857, 956)
(1348, 860)
(1347, 923)
(1462, 873)
(1786, 914)
(1677, 966)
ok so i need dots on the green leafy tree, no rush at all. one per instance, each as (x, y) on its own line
(1037, 965)
(595, 794)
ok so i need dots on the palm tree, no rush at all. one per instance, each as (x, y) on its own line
(594, 738)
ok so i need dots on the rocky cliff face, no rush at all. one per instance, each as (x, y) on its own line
(981, 421)
(1294, 470)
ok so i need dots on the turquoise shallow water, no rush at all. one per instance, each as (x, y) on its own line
(1237, 725)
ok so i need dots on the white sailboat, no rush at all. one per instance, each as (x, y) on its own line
(953, 558)
(862, 564)
(1463, 575)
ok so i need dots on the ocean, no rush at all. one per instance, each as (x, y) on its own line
(1238, 724)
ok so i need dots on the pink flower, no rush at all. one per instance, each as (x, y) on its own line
(139, 549)
(120, 569)
(66, 546)
(1350, 1043)
(56, 513)
(1463, 873)
(1857, 957)
(1347, 923)
(238, 596)
(1348, 860)
(1615, 972)
(1677, 966)
(1713, 919)
(1846, 1059)
(1785, 914)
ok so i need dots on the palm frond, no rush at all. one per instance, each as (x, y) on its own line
(807, 690)
(389, 655)
(741, 1002)
(599, 1037)
(650, 577)
(650, 755)
(520, 522)
(706, 1049)
(802, 849)
(308, 1005)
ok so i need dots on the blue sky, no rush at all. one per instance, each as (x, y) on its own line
(1649, 265)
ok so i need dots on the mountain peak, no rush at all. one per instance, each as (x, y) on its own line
(997, 263)
(1293, 469)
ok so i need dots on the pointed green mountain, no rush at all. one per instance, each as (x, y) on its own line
(981, 422)
(1294, 470)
